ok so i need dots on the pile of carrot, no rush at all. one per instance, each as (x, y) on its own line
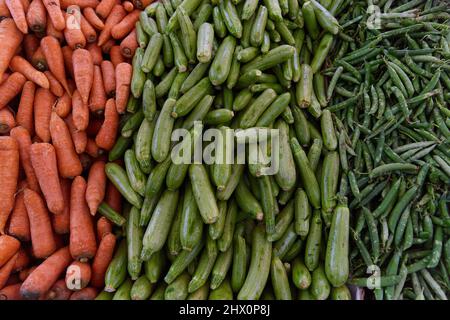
(64, 80)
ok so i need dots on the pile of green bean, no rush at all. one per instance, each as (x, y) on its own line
(388, 90)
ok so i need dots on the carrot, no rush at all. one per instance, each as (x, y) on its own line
(6, 269)
(82, 236)
(19, 224)
(23, 138)
(54, 12)
(104, 8)
(94, 126)
(63, 105)
(60, 222)
(72, 33)
(46, 274)
(113, 197)
(109, 78)
(25, 4)
(37, 16)
(18, 14)
(81, 3)
(11, 87)
(10, 38)
(141, 4)
(102, 259)
(58, 291)
(43, 159)
(22, 260)
(24, 115)
(8, 248)
(96, 185)
(80, 112)
(7, 121)
(4, 11)
(94, 20)
(128, 6)
(106, 47)
(115, 16)
(106, 137)
(50, 30)
(26, 272)
(115, 55)
(97, 99)
(87, 293)
(42, 239)
(19, 64)
(121, 29)
(43, 103)
(11, 292)
(67, 56)
(53, 54)
(78, 275)
(96, 53)
(104, 226)
(129, 44)
(30, 45)
(88, 30)
(123, 80)
(69, 164)
(79, 138)
(38, 60)
(92, 148)
(9, 173)
(83, 68)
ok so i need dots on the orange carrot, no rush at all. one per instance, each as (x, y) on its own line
(115, 55)
(69, 164)
(42, 239)
(7, 121)
(96, 53)
(78, 275)
(96, 185)
(18, 14)
(106, 47)
(113, 197)
(8, 248)
(104, 8)
(4, 11)
(53, 54)
(25, 4)
(82, 236)
(123, 80)
(67, 56)
(38, 60)
(121, 29)
(72, 33)
(106, 137)
(60, 222)
(102, 259)
(80, 112)
(141, 4)
(97, 99)
(63, 105)
(129, 44)
(115, 16)
(24, 115)
(83, 68)
(22, 260)
(11, 292)
(50, 30)
(87, 293)
(54, 12)
(23, 138)
(43, 103)
(58, 291)
(9, 173)
(43, 159)
(37, 16)
(94, 20)
(5, 270)
(128, 6)
(30, 45)
(81, 3)
(88, 30)
(93, 149)
(79, 138)
(104, 226)
(19, 224)
(10, 38)
(11, 87)
(45, 275)
(19, 64)
(109, 78)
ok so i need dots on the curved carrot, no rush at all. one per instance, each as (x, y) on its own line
(94, 20)
(10, 38)
(8, 248)
(24, 115)
(78, 275)
(69, 164)
(55, 87)
(96, 53)
(102, 259)
(109, 78)
(7, 121)
(18, 14)
(79, 138)
(81, 3)
(9, 174)
(37, 16)
(19, 224)
(38, 60)
(6, 270)
(58, 291)
(80, 112)
(129, 44)
(53, 54)
(92, 149)
(30, 45)
(123, 80)
(104, 8)
(87, 293)
(54, 12)
(11, 87)
(88, 30)
(43, 103)
(82, 236)
(43, 159)
(115, 16)
(115, 55)
(83, 68)
(19, 64)
(11, 292)
(121, 29)
(63, 105)
(60, 222)
(106, 137)
(45, 275)
(96, 186)
(42, 240)
(97, 99)
(104, 226)
(23, 138)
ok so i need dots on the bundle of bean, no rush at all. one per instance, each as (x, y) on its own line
(387, 90)
(227, 227)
